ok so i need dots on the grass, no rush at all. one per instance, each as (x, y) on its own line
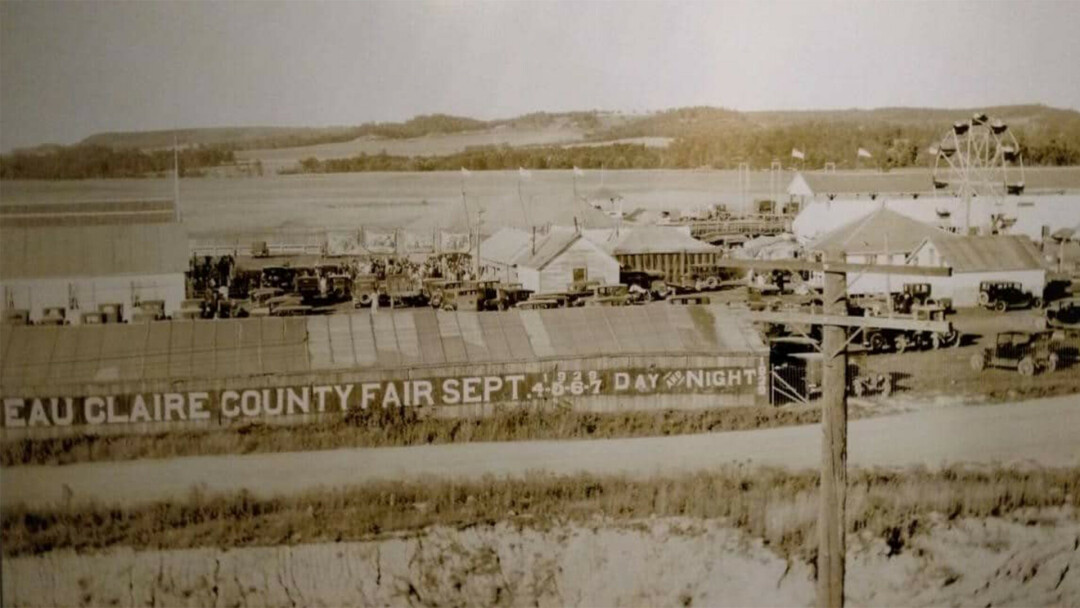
(382, 428)
(775, 505)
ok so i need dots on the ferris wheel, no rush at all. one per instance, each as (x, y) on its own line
(979, 159)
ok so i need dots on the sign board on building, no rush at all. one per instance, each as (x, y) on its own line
(222, 406)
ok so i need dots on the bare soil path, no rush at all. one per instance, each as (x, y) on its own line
(1043, 432)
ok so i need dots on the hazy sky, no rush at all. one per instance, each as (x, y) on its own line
(68, 70)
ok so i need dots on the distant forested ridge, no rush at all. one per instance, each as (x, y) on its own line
(700, 137)
(253, 138)
(723, 139)
(95, 162)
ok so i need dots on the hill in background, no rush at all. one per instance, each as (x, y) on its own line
(695, 137)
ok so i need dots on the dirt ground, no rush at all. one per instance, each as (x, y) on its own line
(1042, 432)
(1029, 559)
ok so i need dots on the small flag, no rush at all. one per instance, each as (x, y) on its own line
(578, 172)
(523, 173)
(465, 172)
(797, 153)
(864, 153)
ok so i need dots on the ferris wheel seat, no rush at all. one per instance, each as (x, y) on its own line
(979, 118)
(1015, 189)
(960, 128)
(947, 150)
(998, 127)
(1011, 155)
(940, 185)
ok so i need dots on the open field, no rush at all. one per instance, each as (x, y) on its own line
(1029, 433)
(648, 142)
(431, 145)
(311, 203)
(739, 536)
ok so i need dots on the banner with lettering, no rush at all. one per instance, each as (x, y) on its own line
(454, 242)
(225, 405)
(380, 241)
(418, 242)
(344, 243)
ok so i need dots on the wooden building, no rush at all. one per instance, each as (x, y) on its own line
(152, 377)
(666, 249)
(77, 256)
(546, 262)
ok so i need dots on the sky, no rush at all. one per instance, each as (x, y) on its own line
(71, 69)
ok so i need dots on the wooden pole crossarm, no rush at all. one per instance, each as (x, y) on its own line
(811, 266)
(846, 321)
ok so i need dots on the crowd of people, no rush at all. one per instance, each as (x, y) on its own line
(453, 266)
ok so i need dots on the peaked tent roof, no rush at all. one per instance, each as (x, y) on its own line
(505, 246)
(881, 231)
(514, 247)
(987, 253)
(551, 246)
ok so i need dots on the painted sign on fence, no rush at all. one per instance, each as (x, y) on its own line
(417, 242)
(379, 241)
(344, 243)
(222, 406)
(454, 242)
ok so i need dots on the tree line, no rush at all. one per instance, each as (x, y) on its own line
(97, 162)
(758, 151)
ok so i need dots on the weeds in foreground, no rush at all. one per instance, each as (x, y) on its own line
(405, 427)
(775, 505)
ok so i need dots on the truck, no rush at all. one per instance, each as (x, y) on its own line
(798, 371)
(608, 295)
(649, 282)
(402, 290)
(365, 288)
(509, 295)
(1026, 352)
(1005, 295)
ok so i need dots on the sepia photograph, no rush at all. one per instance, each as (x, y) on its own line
(539, 303)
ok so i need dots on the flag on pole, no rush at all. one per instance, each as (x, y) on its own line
(465, 172)
(797, 153)
(578, 172)
(864, 153)
(523, 173)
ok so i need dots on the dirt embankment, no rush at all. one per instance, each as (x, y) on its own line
(1031, 559)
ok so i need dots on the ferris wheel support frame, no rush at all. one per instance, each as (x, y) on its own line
(978, 152)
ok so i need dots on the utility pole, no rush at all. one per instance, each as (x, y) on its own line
(833, 490)
(479, 221)
(834, 322)
(176, 179)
